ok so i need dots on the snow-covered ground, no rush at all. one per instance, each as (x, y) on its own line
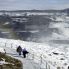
(43, 54)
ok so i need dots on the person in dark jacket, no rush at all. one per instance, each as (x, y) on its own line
(24, 52)
(19, 50)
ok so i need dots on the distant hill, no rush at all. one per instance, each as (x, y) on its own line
(66, 11)
(31, 11)
(35, 10)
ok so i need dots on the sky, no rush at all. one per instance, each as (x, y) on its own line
(33, 4)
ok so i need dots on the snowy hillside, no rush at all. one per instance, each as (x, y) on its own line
(43, 54)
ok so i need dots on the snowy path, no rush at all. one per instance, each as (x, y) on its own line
(41, 56)
(27, 63)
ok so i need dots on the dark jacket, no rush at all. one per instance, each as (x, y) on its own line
(25, 51)
(19, 49)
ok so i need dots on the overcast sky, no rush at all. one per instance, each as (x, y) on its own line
(33, 4)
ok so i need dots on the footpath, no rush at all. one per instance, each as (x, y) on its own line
(27, 63)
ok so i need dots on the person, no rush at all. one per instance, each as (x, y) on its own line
(19, 49)
(5, 51)
(24, 52)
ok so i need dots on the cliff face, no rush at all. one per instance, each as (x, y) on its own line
(6, 30)
(27, 29)
(37, 28)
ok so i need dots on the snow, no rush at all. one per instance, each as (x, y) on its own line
(57, 36)
(27, 63)
(2, 50)
(6, 23)
(62, 26)
(5, 32)
(34, 13)
(29, 31)
(59, 19)
(40, 53)
(3, 62)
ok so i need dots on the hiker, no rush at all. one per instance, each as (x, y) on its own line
(5, 51)
(24, 52)
(19, 50)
